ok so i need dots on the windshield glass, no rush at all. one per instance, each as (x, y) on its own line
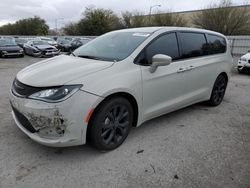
(64, 41)
(114, 46)
(40, 42)
(47, 39)
(21, 41)
(7, 42)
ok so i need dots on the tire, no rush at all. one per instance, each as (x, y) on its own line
(240, 71)
(218, 91)
(111, 124)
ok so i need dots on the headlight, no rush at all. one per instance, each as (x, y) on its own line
(243, 59)
(56, 94)
(21, 50)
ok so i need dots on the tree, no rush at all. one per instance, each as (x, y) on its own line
(167, 19)
(71, 29)
(137, 19)
(134, 19)
(98, 21)
(28, 26)
(224, 18)
(126, 19)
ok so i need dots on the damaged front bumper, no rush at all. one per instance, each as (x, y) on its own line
(243, 65)
(54, 124)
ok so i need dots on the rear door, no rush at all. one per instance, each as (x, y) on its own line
(196, 63)
(199, 63)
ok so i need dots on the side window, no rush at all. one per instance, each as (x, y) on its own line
(216, 44)
(166, 45)
(193, 44)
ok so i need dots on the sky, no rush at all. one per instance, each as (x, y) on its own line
(65, 11)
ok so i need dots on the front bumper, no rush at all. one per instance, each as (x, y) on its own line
(9, 54)
(46, 54)
(243, 65)
(53, 53)
(54, 124)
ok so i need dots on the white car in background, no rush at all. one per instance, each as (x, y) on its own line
(244, 63)
(50, 41)
(119, 80)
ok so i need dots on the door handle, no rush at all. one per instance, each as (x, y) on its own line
(181, 70)
(191, 67)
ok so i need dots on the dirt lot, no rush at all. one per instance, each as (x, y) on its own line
(198, 146)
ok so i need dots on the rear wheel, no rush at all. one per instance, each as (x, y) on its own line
(218, 91)
(111, 123)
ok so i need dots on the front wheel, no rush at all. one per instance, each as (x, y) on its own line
(111, 123)
(218, 91)
(240, 70)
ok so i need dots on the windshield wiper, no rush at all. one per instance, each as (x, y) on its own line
(90, 57)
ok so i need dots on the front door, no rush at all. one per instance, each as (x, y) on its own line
(164, 89)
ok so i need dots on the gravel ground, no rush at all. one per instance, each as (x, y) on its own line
(198, 146)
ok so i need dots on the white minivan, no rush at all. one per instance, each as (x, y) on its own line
(119, 80)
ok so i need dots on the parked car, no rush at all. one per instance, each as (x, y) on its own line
(50, 41)
(244, 63)
(77, 42)
(21, 41)
(119, 80)
(64, 44)
(9, 48)
(40, 48)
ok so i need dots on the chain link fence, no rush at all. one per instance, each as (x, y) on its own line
(239, 44)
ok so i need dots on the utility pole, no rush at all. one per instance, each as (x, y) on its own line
(56, 20)
(150, 11)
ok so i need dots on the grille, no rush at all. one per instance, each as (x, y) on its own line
(23, 90)
(23, 120)
(49, 49)
(12, 52)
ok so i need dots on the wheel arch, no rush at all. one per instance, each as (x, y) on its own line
(127, 96)
(225, 75)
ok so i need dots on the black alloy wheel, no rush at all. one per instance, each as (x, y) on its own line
(111, 123)
(218, 91)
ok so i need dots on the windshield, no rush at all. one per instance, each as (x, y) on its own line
(7, 42)
(21, 41)
(40, 42)
(47, 39)
(64, 41)
(114, 46)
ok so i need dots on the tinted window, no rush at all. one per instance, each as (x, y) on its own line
(193, 45)
(166, 45)
(216, 44)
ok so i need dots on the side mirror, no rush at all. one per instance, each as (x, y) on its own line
(159, 60)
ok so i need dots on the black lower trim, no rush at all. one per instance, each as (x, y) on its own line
(23, 120)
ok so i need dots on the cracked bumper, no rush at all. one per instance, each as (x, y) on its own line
(55, 124)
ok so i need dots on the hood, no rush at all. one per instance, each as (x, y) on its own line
(60, 70)
(247, 56)
(44, 46)
(10, 48)
(52, 42)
